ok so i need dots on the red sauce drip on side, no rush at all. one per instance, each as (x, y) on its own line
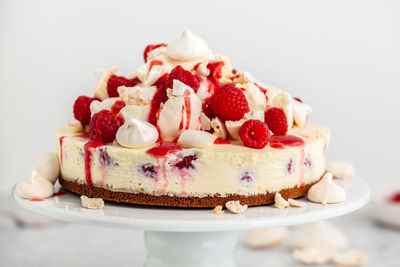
(61, 150)
(92, 144)
(36, 199)
(395, 198)
(281, 141)
(59, 194)
(159, 97)
(221, 141)
(163, 149)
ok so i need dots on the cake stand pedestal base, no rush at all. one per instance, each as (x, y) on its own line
(190, 249)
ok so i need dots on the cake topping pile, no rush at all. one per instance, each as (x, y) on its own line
(183, 86)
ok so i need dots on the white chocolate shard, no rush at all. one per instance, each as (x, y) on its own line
(92, 203)
(320, 234)
(48, 166)
(349, 257)
(326, 191)
(340, 169)
(280, 202)
(196, 138)
(35, 186)
(313, 255)
(266, 238)
(234, 206)
(218, 210)
(296, 203)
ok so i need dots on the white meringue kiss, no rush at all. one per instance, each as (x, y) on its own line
(187, 47)
(136, 134)
(326, 191)
(48, 167)
(196, 138)
(35, 186)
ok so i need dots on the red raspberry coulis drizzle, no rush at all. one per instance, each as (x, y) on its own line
(92, 144)
(59, 194)
(395, 198)
(186, 110)
(61, 150)
(36, 199)
(155, 62)
(220, 141)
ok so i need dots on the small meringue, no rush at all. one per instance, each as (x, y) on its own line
(266, 238)
(97, 106)
(205, 122)
(136, 134)
(187, 47)
(313, 255)
(340, 169)
(196, 138)
(75, 126)
(296, 203)
(326, 191)
(35, 186)
(48, 167)
(320, 234)
(219, 128)
(301, 112)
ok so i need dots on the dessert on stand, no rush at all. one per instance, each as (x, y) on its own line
(188, 130)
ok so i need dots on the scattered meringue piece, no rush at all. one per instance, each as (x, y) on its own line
(205, 122)
(101, 86)
(349, 257)
(218, 210)
(75, 126)
(187, 47)
(202, 70)
(320, 234)
(196, 138)
(48, 167)
(138, 95)
(97, 106)
(301, 112)
(35, 186)
(313, 255)
(326, 191)
(234, 206)
(296, 203)
(233, 128)
(135, 133)
(180, 89)
(219, 128)
(280, 202)
(92, 203)
(266, 238)
(340, 169)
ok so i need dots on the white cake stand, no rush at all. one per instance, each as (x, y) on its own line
(193, 237)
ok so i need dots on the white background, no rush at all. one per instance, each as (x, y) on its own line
(341, 57)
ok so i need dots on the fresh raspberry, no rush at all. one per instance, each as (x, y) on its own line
(116, 81)
(206, 107)
(82, 109)
(104, 126)
(276, 120)
(150, 48)
(185, 76)
(298, 99)
(254, 133)
(215, 69)
(229, 103)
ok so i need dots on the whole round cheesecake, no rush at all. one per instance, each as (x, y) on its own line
(188, 130)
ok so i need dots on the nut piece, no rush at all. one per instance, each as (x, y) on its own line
(92, 203)
(267, 237)
(340, 169)
(313, 254)
(296, 203)
(75, 126)
(280, 202)
(218, 210)
(234, 206)
(349, 257)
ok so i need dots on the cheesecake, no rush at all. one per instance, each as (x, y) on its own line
(186, 129)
